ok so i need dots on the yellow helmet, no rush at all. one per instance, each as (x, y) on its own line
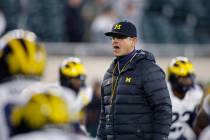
(181, 67)
(71, 68)
(40, 110)
(20, 53)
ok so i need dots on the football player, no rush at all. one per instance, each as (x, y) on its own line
(46, 116)
(22, 63)
(72, 86)
(185, 96)
(72, 76)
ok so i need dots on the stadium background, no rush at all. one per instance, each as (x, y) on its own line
(168, 28)
(97, 58)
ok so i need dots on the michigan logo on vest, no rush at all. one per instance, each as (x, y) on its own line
(127, 79)
(117, 27)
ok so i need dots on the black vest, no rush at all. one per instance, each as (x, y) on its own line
(127, 102)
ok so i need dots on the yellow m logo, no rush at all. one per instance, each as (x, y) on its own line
(117, 26)
(127, 79)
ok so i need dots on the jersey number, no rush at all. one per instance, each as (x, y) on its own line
(180, 117)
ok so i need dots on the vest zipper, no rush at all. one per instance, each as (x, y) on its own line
(114, 85)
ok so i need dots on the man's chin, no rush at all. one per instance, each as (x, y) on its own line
(116, 53)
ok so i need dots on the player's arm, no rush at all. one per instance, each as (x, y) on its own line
(202, 119)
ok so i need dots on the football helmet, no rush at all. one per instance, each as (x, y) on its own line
(181, 74)
(21, 54)
(40, 110)
(72, 73)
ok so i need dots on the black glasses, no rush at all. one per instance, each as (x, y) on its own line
(118, 37)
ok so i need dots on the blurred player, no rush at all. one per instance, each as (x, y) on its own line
(72, 79)
(71, 85)
(45, 116)
(185, 96)
(22, 63)
(22, 60)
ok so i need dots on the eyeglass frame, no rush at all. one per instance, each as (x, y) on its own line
(119, 37)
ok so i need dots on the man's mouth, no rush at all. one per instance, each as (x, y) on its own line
(116, 47)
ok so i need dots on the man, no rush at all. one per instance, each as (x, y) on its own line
(185, 96)
(72, 87)
(22, 63)
(135, 99)
(72, 76)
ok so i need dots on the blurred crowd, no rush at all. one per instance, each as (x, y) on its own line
(158, 21)
(67, 20)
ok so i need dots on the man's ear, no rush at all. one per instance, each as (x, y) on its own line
(134, 41)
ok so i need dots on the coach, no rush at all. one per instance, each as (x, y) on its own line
(135, 99)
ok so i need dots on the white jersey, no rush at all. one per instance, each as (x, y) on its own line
(75, 102)
(182, 110)
(52, 134)
(10, 93)
(12, 89)
(19, 91)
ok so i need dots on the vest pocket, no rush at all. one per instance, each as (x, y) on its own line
(107, 86)
(107, 82)
(107, 90)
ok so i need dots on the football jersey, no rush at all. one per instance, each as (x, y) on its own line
(50, 134)
(75, 102)
(10, 94)
(183, 110)
(20, 91)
